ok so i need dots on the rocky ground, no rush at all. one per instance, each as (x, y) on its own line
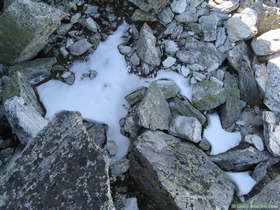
(228, 51)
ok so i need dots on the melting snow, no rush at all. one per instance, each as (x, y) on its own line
(243, 180)
(220, 140)
(102, 98)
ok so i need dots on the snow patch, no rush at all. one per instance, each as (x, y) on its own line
(220, 140)
(243, 180)
(102, 98)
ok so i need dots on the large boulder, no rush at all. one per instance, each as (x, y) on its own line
(178, 175)
(35, 71)
(242, 26)
(239, 159)
(267, 43)
(269, 196)
(61, 168)
(24, 29)
(272, 84)
(271, 123)
(240, 57)
(153, 111)
(25, 120)
(146, 47)
(231, 110)
(205, 54)
(207, 95)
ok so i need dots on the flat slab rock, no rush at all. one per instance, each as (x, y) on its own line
(61, 168)
(178, 175)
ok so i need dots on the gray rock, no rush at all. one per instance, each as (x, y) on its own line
(174, 30)
(272, 84)
(91, 25)
(205, 145)
(80, 47)
(140, 15)
(136, 96)
(261, 75)
(178, 6)
(189, 16)
(168, 62)
(75, 18)
(119, 167)
(153, 111)
(35, 71)
(70, 168)
(174, 174)
(68, 77)
(129, 126)
(182, 106)
(188, 128)
(112, 148)
(240, 159)
(146, 47)
(24, 29)
(64, 29)
(207, 95)
(266, 44)
(226, 6)
(168, 87)
(221, 37)
(154, 6)
(240, 57)
(201, 53)
(271, 124)
(269, 194)
(170, 47)
(231, 110)
(97, 132)
(255, 140)
(209, 26)
(125, 50)
(25, 121)
(64, 52)
(134, 59)
(166, 16)
(16, 85)
(242, 26)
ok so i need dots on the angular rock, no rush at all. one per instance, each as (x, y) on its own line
(261, 75)
(97, 132)
(231, 110)
(154, 6)
(272, 84)
(207, 95)
(24, 29)
(182, 106)
(35, 71)
(166, 16)
(174, 174)
(267, 43)
(146, 47)
(170, 47)
(189, 16)
(240, 159)
(61, 161)
(80, 47)
(153, 111)
(178, 6)
(271, 124)
(188, 128)
(255, 140)
(209, 26)
(242, 26)
(202, 53)
(168, 62)
(240, 57)
(16, 85)
(226, 6)
(91, 25)
(269, 194)
(25, 120)
(140, 15)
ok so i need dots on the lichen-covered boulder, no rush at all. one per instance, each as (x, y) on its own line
(153, 111)
(178, 175)
(207, 95)
(61, 168)
(24, 29)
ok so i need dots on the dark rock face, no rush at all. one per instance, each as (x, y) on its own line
(178, 175)
(61, 168)
(240, 57)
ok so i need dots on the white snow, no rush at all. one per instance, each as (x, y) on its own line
(220, 140)
(243, 180)
(102, 98)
